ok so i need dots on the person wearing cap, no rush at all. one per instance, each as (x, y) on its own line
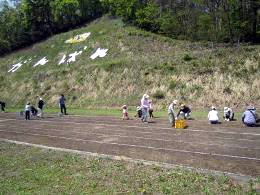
(150, 109)
(249, 117)
(125, 112)
(145, 107)
(228, 114)
(184, 111)
(27, 111)
(213, 116)
(40, 107)
(171, 113)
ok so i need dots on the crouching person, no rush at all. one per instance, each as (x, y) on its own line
(249, 117)
(184, 112)
(213, 116)
(228, 114)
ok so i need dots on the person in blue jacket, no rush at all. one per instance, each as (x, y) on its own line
(249, 117)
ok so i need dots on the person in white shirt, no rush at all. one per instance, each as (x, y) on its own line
(171, 113)
(27, 111)
(213, 116)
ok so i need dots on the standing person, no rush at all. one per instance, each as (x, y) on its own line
(249, 117)
(171, 113)
(27, 111)
(2, 106)
(125, 112)
(145, 107)
(150, 109)
(228, 114)
(40, 107)
(213, 116)
(62, 104)
(184, 112)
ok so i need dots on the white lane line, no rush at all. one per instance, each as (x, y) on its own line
(137, 137)
(138, 146)
(237, 176)
(133, 126)
(173, 134)
(3, 120)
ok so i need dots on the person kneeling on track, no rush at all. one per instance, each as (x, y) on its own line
(213, 116)
(228, 114)
(250, 117)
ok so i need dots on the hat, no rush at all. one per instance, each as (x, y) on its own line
(146, 96)
(28, 103)
(182, 105)
(225, 108)
(213, 108)
(250, 108)
(40, 98)
(124, 106)
(174, 101)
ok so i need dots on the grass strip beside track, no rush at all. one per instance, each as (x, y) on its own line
(31, 170)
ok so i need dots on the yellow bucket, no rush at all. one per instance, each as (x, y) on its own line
(180, 124)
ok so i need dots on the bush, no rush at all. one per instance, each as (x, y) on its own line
(158, 94)
(4, 46)
(187, 58)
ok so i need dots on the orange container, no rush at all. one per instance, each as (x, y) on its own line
(180, 124)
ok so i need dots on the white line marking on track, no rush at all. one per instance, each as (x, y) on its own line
(160, 133)
(136, 146)
(237, 176)
(138, 137)
(195, 130)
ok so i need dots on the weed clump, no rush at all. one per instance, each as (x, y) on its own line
(159, 94)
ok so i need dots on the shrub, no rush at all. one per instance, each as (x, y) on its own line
(158, 94)
(187, 58)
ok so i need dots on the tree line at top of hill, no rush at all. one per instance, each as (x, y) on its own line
(209, 20)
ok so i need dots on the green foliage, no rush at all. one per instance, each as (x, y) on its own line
(159, 94)
(32, 21)
(147, 17)
(65, 12)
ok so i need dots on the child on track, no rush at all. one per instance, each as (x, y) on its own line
(125, 112)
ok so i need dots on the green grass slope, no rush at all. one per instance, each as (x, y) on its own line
(138, 62)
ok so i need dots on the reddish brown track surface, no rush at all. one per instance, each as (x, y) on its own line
(227, 147)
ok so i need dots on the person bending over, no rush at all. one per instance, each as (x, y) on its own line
(184, 112)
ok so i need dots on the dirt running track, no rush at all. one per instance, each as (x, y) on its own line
(228, 147)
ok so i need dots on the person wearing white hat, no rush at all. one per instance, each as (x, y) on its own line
(213, 116)
(145, 107)
(40, 107)
(228, 114)
(171, 113)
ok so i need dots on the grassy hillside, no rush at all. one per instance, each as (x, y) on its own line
(138, 62)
